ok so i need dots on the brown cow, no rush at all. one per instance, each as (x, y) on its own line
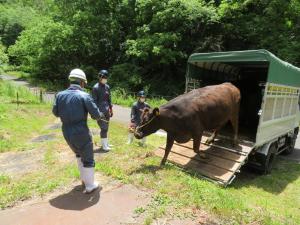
(188, 115)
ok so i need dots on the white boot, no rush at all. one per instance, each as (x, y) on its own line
(105, 146)
(109, 145)
(88, 179)
(80, 166)
(144, 141)
(130, 138)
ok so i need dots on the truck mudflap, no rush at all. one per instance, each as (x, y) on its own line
(222, 164)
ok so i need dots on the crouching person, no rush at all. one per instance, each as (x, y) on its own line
(135, 117)
(72, 106)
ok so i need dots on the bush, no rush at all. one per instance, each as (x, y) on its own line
(120, 97)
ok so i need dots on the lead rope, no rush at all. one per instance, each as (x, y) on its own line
(139, 127)
(106, 121)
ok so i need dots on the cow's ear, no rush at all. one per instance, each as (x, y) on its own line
(156, 111)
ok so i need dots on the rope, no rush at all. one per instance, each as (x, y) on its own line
(106, 121)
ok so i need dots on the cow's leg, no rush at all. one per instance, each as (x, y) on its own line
(235, 125)
(170, 142)
(196, 146)
(212, 137)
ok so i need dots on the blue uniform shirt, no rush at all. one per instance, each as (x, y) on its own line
(73, 105)
(102, 97)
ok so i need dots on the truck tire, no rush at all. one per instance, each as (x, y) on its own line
(269, 159)
(291, 147)
(291, 143)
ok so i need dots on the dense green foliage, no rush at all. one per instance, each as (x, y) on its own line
(144, 43)
(3, 55)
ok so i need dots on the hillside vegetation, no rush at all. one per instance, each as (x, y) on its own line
(145, 43)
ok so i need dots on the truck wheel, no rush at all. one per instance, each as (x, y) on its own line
(269, 159)
(291, 144)
(291, 147)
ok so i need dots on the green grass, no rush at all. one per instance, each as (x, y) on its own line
(121, 98)
(18, 74)
(37, 183)
(53, 172)
(271, 199)
(10, 93)
(13, 70)
(20, 123)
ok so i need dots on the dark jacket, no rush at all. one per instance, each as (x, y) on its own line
(102, 97)
(73, 106)
(136, 111)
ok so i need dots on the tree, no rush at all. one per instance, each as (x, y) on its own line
(14, 18)
(41, 49)
(167, 32)
(254, 24)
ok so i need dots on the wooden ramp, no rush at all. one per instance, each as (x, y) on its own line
(222, 164)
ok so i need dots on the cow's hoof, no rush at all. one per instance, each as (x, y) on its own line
(162, 164)
(234, 145)
(203, 156)
(209, 141)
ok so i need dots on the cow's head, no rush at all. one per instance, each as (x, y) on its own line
(149, 123)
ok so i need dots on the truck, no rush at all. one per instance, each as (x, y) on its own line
(269, 111)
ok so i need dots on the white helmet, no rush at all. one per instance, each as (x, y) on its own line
(79, 74)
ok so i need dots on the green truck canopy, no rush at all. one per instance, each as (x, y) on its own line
(279, 72)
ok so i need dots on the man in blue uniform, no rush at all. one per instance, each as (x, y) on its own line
(135, 116)
(102, 98)
(73, 106)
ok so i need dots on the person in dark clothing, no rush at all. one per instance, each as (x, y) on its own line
(102, 97)
(72, 107)
(135, 116)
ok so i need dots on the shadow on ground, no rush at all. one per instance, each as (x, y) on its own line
(100, 151)
(76, 200)
(146, 169)
(284, 172)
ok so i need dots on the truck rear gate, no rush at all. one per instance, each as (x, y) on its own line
(222, 164)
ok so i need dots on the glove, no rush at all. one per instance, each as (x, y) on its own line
(111, 113)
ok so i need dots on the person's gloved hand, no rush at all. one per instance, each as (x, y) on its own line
(111, 113)
(132, 127)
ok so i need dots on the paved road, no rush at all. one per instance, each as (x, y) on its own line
(114, 206)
